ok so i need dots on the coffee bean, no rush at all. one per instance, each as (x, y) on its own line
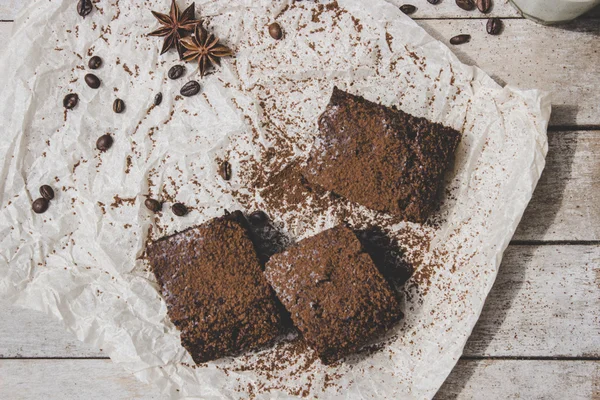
(104, 142)
(158, 99)
(191, 88)
(179, 209)
(40, 206)
(119, 106)
(434, 1)
(95, 62)
(258, 218)
(484, 5)
(153, 205)
(460, 39)
(494, 26)
(92, 81)
(467, 5)
(47, 192)
(176, 72)
(225, 170)
(408, 9)
(275, 31)
(84, 7)
(70, 101)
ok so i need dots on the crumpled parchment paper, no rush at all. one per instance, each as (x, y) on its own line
(80, 261)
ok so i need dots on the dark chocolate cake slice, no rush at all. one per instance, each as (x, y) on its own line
(334, 292)
(380, 157)
(215, 290)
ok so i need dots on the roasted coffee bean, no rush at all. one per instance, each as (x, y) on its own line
(95, 62)
(70, 101)
(258, 218)
(119, 106)
(153, 205)
(40, 206)
(484, 5)
(47, 192)
(158, 99)
(92, 81)
(176, 71)
(494, 26)
(225, 170)
(433, 1)
(191, 88)
(84, 7)
(275, 31)
(467, 5)
(460, 39)
(104, 142)
(408, 9)
(179, 209)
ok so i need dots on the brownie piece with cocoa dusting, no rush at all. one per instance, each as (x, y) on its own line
(215, 290)
(336, 296)
(380, 157)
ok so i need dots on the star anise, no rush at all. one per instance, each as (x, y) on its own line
(206, 48)
(174, 26)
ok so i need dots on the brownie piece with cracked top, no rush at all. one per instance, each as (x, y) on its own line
(335, 294)
(215, 290)
(381, 157)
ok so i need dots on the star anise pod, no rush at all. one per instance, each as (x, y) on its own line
(175, 25)
(206, 48)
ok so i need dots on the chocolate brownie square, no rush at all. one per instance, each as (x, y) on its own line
(380, 157)
(215, 290)
(336, 296)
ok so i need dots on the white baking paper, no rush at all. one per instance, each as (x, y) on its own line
(80, 261)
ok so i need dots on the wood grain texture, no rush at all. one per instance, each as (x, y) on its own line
(523, 379)
(497, 379)
(544, 304)
(70, 380)
(562, 61)
(566, 202)
(445, 9)
(26, 333)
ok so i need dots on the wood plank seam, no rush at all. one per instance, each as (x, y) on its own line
(555, 243)
(529, 358)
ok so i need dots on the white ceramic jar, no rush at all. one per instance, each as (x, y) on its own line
(554, 11)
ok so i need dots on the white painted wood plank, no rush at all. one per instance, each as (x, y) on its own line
(445, 9)
(26, 333)
(545, 304)
(521, 379)
(563, 61)
(497, 379)
(566, 203)
(70, 380)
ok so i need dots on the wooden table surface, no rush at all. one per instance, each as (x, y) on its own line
(539, 334)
